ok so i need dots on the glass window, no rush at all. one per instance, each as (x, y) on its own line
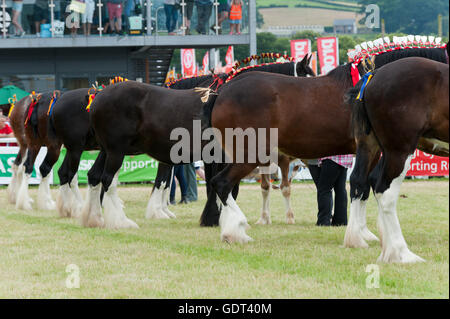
(37, 82)
(69, 83)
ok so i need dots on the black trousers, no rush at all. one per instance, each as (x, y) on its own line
(328, 177)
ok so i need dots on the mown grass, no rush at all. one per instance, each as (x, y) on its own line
(178, 259)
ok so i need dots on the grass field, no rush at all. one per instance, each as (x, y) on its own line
(178, 259)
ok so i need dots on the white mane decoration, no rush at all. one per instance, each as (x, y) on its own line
(382, 45)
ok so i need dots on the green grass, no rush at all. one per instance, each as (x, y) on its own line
(178, 259)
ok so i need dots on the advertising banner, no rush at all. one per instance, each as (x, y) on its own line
(423, 164)
(328, 50)
(188, 62)
(300, 48)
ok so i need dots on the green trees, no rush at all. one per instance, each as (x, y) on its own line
(411, 16)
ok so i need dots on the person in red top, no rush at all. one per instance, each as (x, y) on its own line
(5, 129)
(236, 16)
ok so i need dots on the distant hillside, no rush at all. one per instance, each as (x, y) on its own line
(341, 5)
(304, 16)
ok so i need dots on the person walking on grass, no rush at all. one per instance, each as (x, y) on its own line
(236, 16)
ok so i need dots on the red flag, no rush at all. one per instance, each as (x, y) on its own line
(328, 54)
(188, 62)
(206, 63)
(229, 59)
(300, 48)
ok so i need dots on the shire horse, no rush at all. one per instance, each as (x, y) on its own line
(157, 207)
(29, 123)
(146, 115)
(309, 115)
(404, 101)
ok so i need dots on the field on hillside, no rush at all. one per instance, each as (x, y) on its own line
(304, 16)
(178, 259)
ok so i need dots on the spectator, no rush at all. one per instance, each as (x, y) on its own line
(189, 9)
(236, 16)
(178, 172)
(129, 6)
(87, 17)
(171, 15)
(223, 14)
(329, 174)
(191, 181)
(40, 15)
(5, 129)
(16, 11)
(115, 8)
(204, 9)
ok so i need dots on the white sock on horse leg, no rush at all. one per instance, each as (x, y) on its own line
(233, 222)
(155, 204)
(64, 201)
(44, 197)
(265, 213)
(91, 214)
(165, 201)
(286, 192)
(357, 232)
(77, 199)
(393, 244)
(23, 198)
(13, 185)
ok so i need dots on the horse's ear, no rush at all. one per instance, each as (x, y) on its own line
(304, 61)
(309, 59)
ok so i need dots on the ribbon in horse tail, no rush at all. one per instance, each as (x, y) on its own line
(12, 101)
(91, 97)
(366, 79)
(34, 100)
(55, 97)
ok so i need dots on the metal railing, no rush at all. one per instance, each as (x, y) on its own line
(149, 15)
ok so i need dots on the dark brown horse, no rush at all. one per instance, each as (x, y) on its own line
(404, 101)
(69, 125)
(308, 114)
(29, 122)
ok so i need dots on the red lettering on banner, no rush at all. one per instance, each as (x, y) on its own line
(423, 164)
(300, 48)
(328, 54)
(188, 64)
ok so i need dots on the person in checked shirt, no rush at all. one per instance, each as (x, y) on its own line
(331, 174)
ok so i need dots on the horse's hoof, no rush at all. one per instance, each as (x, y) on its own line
(264, 219)
(403, 256)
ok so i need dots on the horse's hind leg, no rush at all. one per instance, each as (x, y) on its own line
(233, 222)
(113, 209)
(44, 197)
(367, 156)
(387, 190)
(157, 205)
(24, 200)
(285, 186)
(91, 214)
(265, 191)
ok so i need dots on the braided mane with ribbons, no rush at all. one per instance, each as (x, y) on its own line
(97, 88)
(366, 52)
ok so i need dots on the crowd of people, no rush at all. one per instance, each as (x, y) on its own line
(83, 15)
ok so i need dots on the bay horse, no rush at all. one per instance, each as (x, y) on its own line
(29, 123)
(157, 207)
(404, 101)
(308, 114)
(150, 115)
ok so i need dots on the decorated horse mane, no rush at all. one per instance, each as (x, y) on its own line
(97, 88)
(383, 45)
(373, 54)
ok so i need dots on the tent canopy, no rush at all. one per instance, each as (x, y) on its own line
(7, 92)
